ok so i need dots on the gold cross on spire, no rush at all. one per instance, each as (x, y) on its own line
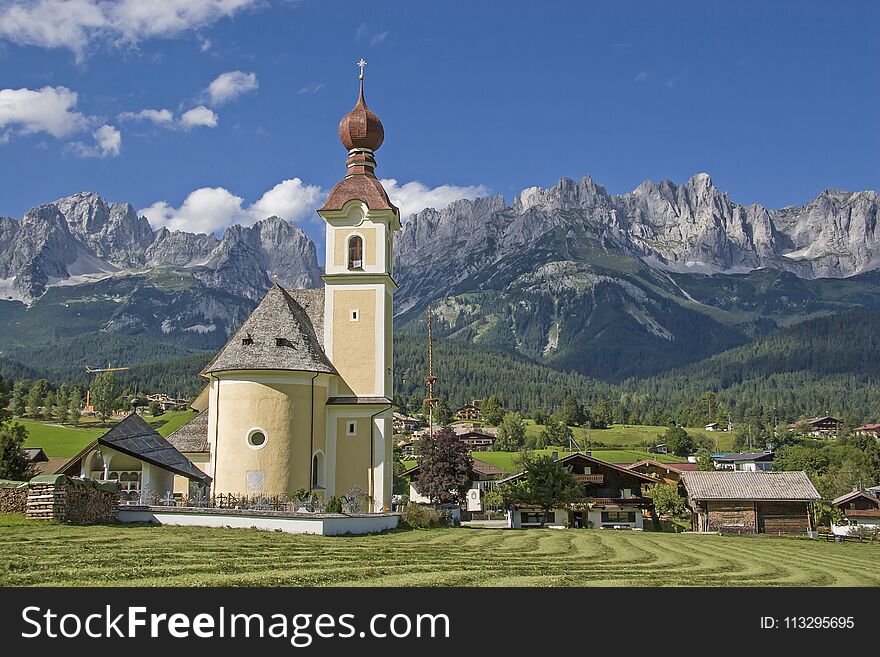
(361, 63)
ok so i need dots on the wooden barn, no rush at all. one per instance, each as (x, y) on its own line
(736, 502)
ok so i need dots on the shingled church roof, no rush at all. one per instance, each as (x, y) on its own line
(192, 436)
(281, 334)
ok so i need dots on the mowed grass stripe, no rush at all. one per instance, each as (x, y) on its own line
(190, 556)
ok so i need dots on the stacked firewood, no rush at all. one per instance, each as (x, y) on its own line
(13, 500)
(78, 501)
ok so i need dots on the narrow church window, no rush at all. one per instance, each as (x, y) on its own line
(355, 252)
(355, 315)
(256, 439)
(318, 470)
(351, 428)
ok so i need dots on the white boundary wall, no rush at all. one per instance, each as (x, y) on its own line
(325, 525)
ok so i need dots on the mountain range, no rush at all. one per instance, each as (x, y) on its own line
(571, 277)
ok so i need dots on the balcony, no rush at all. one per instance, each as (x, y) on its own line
(861, 513)
(590, 478)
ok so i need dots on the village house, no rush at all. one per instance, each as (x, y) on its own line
(818, 426)
(403, 423)
(871, 429)
(666, 473)
(484, 476)
(613, 498)
(468, 412)
(731, 502)
(476, 437)
(168, 403)
(860, 509)
(745, 461)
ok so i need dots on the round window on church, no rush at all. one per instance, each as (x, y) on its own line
(256, 439)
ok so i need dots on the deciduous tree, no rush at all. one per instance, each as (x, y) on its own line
(492, 410)
(546, 484)
(445, 468)
(511, 433)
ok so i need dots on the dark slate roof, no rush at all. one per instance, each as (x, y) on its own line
(35, 454)
(279, 316)
(743, 485)
(192, 436)
(138, 439)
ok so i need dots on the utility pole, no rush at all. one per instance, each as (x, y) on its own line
(430, 380)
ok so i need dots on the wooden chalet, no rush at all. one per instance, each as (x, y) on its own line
(737, 502)
(468, 412)
(613, 498)
(860, 509)
(870, 429)
(819, 426)
(667, 473)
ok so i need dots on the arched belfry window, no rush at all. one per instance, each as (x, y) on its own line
(355, 252)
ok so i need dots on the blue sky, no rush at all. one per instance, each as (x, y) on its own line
(777, 100)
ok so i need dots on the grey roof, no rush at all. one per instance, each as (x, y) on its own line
(192, 436)
(743, 456)
(136, 438)
(278, 317)
(856, 493)
(312, 301)
(35, 454)
(726, 485)
(351, 400)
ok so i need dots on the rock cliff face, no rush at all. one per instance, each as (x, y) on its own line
(83, 238)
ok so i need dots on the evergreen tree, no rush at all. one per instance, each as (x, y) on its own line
(49, 405)
(4, 396)
(492, 410)
(602, 415)
(37, 399)
(19, 398)
(74, 402)
(572, 412)
(442, 414)
(13, 462)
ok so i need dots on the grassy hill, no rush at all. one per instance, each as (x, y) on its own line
(633, 435)
(66, 441)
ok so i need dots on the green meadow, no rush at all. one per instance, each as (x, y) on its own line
(41, 554)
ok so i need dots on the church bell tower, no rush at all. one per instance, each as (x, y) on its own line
(358, 284)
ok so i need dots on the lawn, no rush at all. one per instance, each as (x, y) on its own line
(636, 436)
(58, 440)
(52, 554)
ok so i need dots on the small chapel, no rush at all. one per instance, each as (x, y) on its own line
(300, 396)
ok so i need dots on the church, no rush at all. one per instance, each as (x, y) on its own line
(300, 396)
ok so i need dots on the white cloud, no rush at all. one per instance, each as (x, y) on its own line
(230, 85)
(50, 109)
(414, 196)
(198, 116)
(108, 143)
(289, 199)
(643, 76)
(379, 37)
(77, 24)
(162, 117)
(311, 88)
(213, 209)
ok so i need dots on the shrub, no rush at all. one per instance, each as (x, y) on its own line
(334, 505)
(419, 516)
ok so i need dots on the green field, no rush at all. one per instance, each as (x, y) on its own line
(636, 435)
(34, 554)
(507, 460)
(57, 440)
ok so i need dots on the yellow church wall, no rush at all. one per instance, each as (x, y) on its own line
(283, 412)
(202, 460)
(389, 346)
(352, 455)
(354, 342)
(340, 245)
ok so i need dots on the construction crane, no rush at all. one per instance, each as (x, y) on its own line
(98, 370)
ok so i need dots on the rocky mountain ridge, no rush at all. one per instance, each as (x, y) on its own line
(83, 238)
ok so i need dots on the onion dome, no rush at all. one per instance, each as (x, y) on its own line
(360, 128)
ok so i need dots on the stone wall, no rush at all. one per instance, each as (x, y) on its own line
(13, 496)
(78, 501)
